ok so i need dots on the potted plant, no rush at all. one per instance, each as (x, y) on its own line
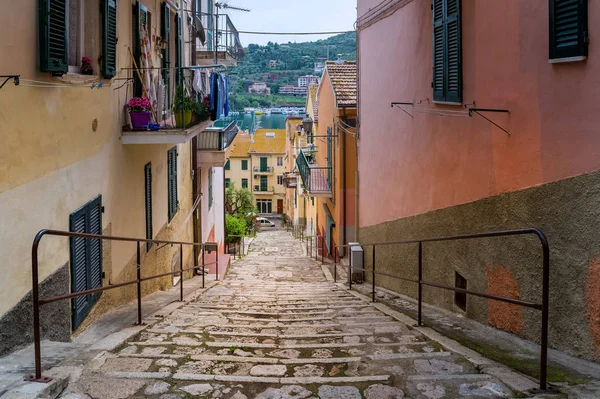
(202, 109)
(183, 103)
(139, 112)
(86, 66)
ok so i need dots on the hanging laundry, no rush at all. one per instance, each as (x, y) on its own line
(226, 95)
(197, 83)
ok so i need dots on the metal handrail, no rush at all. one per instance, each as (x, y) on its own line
(543, 307)
(37, 302)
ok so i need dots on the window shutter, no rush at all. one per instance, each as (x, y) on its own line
(95, 247)
(438, 50)
(79, 305)
(447, 51)
(166, 35)
(329, 155)
(109, 38)
(172, 182)
(227, 165)
(568, 28)
(148, 201)
(454, 52)
(179, 49)
(54, 38)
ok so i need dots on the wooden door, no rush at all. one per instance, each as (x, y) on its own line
(279, 206)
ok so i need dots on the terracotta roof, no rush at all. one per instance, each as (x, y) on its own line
(312, 92)
(240, 146)
(268, 141)
(343, 81)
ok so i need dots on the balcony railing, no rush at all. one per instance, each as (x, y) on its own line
(314, 177)
(263, 189)
(217, 138)
(261, 170)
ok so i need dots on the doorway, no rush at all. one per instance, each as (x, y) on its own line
(279, 206)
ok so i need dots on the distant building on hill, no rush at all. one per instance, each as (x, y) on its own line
(319, 67)
(272, 63)
(290, 90)
(259, 88)
(306, 80)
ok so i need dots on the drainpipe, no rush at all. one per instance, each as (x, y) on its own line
(356, 190)
(344, 165)
(194, 196)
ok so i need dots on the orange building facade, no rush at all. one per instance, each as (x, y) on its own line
(529, 158)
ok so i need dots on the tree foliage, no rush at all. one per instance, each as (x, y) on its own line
(239, 201)
(235, 228)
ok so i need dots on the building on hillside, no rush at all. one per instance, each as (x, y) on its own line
(319, 67)
(259, 88)
(272, 63)
(226, 42)
(327, 165)
(306, 80)
(81, 167)
(265, 161)
(527, 158)
(292, 90)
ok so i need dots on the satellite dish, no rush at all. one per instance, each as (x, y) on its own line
(200, 32)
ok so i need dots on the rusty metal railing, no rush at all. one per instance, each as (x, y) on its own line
(37, 302)
(543, 307)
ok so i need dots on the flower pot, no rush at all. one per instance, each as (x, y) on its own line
(187, 118)
(140, 120)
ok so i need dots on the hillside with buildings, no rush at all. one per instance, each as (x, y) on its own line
(278, 74)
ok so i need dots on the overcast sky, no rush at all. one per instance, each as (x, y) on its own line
(291, 16)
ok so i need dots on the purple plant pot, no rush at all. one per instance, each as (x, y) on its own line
(140, 120)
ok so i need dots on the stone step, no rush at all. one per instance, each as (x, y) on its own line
(229, 344)
(287, 336)
(273, 380)
(274, 360)
(279, 308)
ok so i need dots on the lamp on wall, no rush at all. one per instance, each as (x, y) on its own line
(307, 124)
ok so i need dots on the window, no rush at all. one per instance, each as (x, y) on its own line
(209, 35)
(227, 165)
(172, 182)
(178, 47)
(210, 188)
(244, 183)
(165, 32)
(148, 202)
(264, 206)
(263, 183)
(280, 180)
(61, 36)
(568, 30)
(263, 164)
(279, 161)
(227, 182)
(141, 22)
(447, 51)
(86, 258)
(244, 164)
(460, 298)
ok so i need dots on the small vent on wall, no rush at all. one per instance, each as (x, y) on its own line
(460, 298)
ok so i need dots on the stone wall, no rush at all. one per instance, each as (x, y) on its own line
(567, 211)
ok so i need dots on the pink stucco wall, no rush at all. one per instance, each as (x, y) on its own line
(430, 161)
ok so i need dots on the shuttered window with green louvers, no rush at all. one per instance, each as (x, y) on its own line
(140, 21)
(172, 182)
(179, 49)
(85, 258)
(447, 51)
(568, 29)
(109, 38)
(54, 38)
(166, 35)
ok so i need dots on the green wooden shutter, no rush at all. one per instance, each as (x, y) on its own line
(453, 52)
(227, 165)
(438, 50)
(263, 183)
(209, 35)
(329, 156)
(244, 183)
(179, 49)
(54, 38)
(244, 164)
(263, 164)
(172, 182)
(109, 38)
(86, 258)
(447, 51)
(227, 182)
(568, 28)
(140, 19)
(148, 202)
(166, 35)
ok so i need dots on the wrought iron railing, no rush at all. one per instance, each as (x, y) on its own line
(313, 176)
(264, 189)
(260, 169)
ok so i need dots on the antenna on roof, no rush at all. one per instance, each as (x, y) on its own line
(340, 60)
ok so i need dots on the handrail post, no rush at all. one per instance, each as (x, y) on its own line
(139, 282)
(350, 273)
(373, 275)
(545, 304)
(420, 292)
(36, 315)
(335, 259)
(322, 250)
(203, 270)
(181, 272)
(217, 256)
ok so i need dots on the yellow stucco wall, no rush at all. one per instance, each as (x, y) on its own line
(52, 161)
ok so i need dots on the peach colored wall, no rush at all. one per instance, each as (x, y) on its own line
(432, 162)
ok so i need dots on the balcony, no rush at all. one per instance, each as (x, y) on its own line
(314, 178)
(166, 134)
(260, 189)
(229, 49)
(212, 143)
(290, 180)
(263, 171)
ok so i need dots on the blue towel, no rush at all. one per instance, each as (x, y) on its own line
(226, 94)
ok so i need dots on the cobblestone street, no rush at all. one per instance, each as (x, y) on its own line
(276, 327)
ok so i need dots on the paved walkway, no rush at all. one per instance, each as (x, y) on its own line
(277, 328)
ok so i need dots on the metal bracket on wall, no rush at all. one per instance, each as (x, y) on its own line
(479, 110)
(15, 79)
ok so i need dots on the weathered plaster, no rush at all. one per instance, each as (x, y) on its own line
(502, 315)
